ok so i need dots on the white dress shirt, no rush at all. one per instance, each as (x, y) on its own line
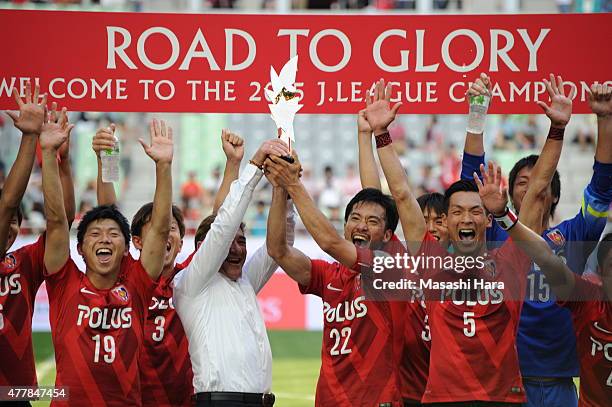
(228, 343)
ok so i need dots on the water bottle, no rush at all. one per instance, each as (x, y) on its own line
(478, 113)
(110, 163)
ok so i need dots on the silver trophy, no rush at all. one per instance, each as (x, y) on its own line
(284, 103)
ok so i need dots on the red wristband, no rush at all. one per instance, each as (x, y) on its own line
(383, 140)
(556, 133)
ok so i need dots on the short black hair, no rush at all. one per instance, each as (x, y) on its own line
(104, 212)
(530, 162)
(18, 212)
(204, 228)
(463, 185)
(605, 245)
(432, 201)
(143, 216)
(375, 196)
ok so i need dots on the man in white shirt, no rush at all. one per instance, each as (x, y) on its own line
(215, 297)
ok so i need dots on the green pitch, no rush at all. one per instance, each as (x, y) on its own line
(296, 366)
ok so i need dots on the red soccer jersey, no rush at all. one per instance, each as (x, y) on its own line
(361, 340)
(414, 367)
(473, 330)
(592, 317)
(98, 334)
(21, 274)
(166, 376)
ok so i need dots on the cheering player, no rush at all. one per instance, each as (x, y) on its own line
(97, 317)
(414, 365)
(463, 331)
(546, 344)
(21, 271)
(166, 375)
(362, 339)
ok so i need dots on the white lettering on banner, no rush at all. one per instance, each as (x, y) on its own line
(118, 50)
(10, 284)
(79, 88)
(345, 311)
(142, 52)
(205, 53)
(229, 49)
(533, 47)
(477, 58)
(293, 34)
(403, 65)
(502, 53)
(346, 50)
(105, 318)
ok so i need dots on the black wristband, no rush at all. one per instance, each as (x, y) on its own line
(556, 133)
(383, 140)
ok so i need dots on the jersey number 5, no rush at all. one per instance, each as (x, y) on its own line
(469, 323)
(336, 335)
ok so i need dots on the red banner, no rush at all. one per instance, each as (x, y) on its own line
(221, 63)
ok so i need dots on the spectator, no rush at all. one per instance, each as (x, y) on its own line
(564, 6)
(330, 193)
(192, 196)
(260, 220)
(351, 183)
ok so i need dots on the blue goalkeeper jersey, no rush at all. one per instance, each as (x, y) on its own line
(546, 341)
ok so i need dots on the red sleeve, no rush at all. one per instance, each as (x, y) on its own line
(319, 272)
(585, 291)
(139, 279)
(513, 255)
(35, 255)
(57, 282)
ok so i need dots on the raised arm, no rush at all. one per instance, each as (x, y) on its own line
(538, 193)
(380, 115)
(286, 175)
(495, 199)
(368, 171)
(295, 263)
(233, 147)
(104, 140)
(160, 151)
(29, 121)
(208, 259)
(473, 150)
(600, 100)
(67, 181)
(57, 239)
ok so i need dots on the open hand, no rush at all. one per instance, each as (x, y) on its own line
(31, 114)
(161, 148)
(560, 109)
(56, 130)
(493, 197)
(379, 112)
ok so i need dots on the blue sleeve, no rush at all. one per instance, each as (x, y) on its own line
(596, 201)
(470, 164)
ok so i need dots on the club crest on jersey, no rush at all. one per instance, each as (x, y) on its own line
(9, 262)
(556, 237)
(490, 268)
(121, 293)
